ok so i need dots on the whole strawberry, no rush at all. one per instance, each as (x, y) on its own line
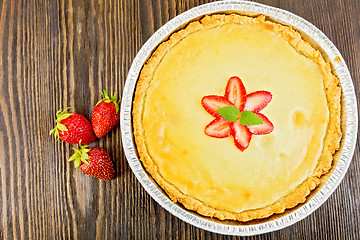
(94, 161)
(72, 128)
(105, 115)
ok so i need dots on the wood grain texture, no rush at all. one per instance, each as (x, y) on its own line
(55, 54)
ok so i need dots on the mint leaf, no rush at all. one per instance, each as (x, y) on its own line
(248, 118)
(230, 113)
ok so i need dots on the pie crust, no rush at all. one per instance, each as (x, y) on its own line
(331, 140)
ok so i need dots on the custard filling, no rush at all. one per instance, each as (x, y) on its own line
(213, 170)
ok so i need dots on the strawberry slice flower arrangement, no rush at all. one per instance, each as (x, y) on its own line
(238, 114)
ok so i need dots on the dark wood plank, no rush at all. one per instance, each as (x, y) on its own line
(55, 54)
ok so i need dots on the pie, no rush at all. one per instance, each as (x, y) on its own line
(227, 163)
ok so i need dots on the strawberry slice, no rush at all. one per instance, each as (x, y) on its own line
(241, 134)
(219, 128)
(256, 101)
(235, 92)
(261, 129)
(213, 103)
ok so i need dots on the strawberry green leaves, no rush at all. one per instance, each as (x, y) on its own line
(80, 155)
(112, 99)
(62, 114)
(232, 113)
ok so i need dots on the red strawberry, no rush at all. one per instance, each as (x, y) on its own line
(95, 162)
(256, 101)
(261, 129)
(105, 115)
(241, 134)
(213, 103)
(72, 128)
(235, 92)
(219, 128)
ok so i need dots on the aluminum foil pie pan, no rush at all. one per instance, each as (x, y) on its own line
(329, 182)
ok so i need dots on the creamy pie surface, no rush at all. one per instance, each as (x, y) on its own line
(206, 173)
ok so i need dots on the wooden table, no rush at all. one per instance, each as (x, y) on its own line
(55, 54)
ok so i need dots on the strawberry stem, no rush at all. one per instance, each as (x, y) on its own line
(112, 99)
(80, 155)
(61, 114)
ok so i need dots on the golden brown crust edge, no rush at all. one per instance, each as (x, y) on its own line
(331, 140)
